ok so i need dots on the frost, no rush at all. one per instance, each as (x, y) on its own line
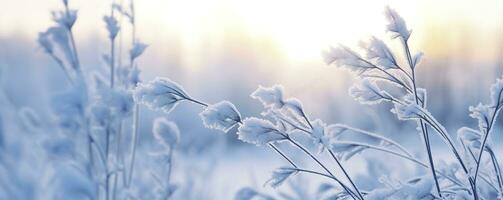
(160, 94)
(221, 116)
(407, 111)
(481, 113)
(137, 50)
(112, 26)
(376, 49)
(45, 42)
(270, 97)
(294, 105)
(367, 92)
(320, 135)
(416, 59)
(345, 57)
(259, 132)
(65, 19)
(470, 137)
(166, 132)
(396, 24)
(496, 92)
(280, 175)
(421, 95)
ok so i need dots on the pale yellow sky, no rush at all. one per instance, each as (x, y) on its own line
(297, 30)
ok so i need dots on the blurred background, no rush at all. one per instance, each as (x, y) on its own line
(224, 49)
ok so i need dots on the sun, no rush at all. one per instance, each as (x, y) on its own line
(301, 29)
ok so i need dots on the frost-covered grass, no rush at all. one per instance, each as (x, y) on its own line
(93, 150)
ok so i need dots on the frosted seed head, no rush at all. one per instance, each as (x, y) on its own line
(259, 132)
(112, 26)
(378, 51)
(407, 111)
(367, 92)
(160, 94)
(137, 50)
(343, 56)
(166, 132)
(221, 116)
(271, 97)
(396, 24)
(497, 92)
(481, 113)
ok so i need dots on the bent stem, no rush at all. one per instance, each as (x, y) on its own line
(282, 155)
(346, 174)
(484, 140)
(409, 158)
(424, 129)
(322, 166)
(497, 169)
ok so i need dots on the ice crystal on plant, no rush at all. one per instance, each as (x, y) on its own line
(407, 111)
(259, 132)
(377, 50)
(396, 24)
(320, 135)
(470, 137)
(270, 97)
(160, 94)
(345, 57)
(482, 114)
(222, 116)
(367, 92)
(497, 92)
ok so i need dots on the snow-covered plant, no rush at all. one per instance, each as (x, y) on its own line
(285, 120)
(160, 94)
(286, 117)
(87, 156)
(90, 112)
(222, 116)
(167, 135)
(381, 69)
(166, 132)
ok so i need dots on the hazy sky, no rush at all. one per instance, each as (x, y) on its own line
(295, 30)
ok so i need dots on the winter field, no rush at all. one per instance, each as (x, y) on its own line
(251, 100)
